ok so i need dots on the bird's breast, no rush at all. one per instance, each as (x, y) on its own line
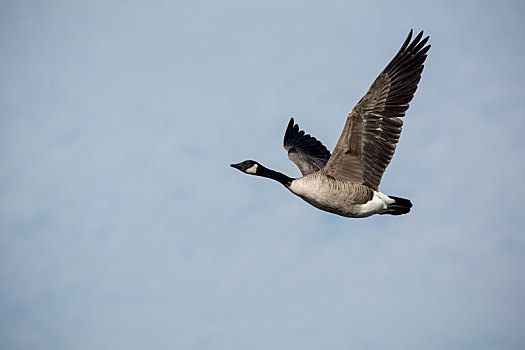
(338, 197)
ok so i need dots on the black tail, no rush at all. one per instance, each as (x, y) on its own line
(401, 206)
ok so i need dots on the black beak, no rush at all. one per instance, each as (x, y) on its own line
(236, 166)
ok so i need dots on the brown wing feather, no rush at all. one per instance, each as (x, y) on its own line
(372, 128)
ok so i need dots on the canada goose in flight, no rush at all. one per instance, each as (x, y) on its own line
(346, 182)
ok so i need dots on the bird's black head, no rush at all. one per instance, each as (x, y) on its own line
(248, 166)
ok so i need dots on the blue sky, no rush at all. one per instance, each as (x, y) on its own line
(122, 225)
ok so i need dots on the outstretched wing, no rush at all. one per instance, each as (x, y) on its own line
(372, 128)
(304, 150)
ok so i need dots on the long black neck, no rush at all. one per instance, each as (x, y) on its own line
(274, 175)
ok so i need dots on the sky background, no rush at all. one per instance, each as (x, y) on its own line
(122, 225)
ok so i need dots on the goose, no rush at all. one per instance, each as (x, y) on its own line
(346, 182)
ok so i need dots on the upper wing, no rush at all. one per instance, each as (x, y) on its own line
(372, 128)
(304, 150)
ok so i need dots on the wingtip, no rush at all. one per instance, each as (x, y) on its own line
(419, 35)
(291, 124)
(425, 38)
(289, 131)
(406, 42)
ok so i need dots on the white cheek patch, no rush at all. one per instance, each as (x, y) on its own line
(252, 170)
